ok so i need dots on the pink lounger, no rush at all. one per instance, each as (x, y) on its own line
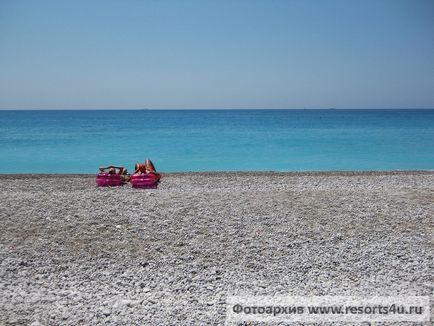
(145, 180)
(109, 180)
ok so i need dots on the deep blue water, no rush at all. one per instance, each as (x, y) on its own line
(204, 140)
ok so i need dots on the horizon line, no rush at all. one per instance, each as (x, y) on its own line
(208, 109)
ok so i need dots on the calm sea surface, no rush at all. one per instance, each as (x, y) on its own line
(212, 140)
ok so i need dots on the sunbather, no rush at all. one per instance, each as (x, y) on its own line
(111, 169)
(148, 167)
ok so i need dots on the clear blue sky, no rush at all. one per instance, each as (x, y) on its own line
(217, 54)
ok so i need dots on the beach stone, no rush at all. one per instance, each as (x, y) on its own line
(106, 312)
(35, 323)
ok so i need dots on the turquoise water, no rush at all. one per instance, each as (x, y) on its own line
(202, 140)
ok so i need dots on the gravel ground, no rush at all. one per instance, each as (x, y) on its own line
(71, 253)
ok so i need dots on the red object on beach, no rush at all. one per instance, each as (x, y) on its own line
(145, 180)
(109, 180)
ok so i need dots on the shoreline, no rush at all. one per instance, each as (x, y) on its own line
(241, 173)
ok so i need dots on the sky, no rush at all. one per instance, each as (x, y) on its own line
(216, 54)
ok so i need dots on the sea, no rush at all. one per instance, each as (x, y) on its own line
(80, 141)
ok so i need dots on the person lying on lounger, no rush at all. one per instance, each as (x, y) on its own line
(111, 169)
(148, 167)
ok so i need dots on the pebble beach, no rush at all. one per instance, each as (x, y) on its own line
(72, 253)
